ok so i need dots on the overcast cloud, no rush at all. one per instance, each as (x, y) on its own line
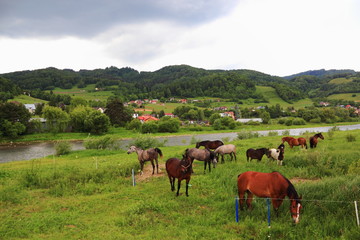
(278, 37)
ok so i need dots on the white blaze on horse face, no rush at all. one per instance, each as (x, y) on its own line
(297, 218)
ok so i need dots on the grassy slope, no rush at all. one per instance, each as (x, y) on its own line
(78, 201)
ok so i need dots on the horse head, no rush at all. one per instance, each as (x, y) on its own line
(295, 209)
(197, 145)
(187, 163)
(320, 136)
(131, 149)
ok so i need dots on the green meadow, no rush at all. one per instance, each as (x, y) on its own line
(89, 195)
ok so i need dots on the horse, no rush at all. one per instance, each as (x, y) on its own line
(150, 154)
(202, 155)
(225, 149)
(277, 154)
(209, 144)
(314, 140)
(256, 154)
(180, 169)
(269, 185)
(295, 141)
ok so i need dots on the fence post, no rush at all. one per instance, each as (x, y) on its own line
(268, 212)
(237, 209)
(357, 213)
(133, 177)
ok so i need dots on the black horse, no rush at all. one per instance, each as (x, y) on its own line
(256, 154)
(209, 144)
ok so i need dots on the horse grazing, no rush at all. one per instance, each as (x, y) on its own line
(150, 154)
(268, 185)
(180, 169)
(204, 155)
(225, 149)
(209, 144)
(255, 154)
(295, 141)
(277, 154)
(314, 140)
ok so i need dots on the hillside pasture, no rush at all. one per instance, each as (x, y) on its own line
(88, 93)
(25, 99)
(340, 80)
(89, 195)
(346, 96)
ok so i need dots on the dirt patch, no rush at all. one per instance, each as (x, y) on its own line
(142, 110)
(302, 180)
(147, 172)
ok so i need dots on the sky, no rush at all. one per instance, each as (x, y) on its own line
(277, 37)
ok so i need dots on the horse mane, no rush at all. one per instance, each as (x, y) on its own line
(291, 189)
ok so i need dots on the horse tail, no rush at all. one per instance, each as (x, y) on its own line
(306, 145)
(159, 151)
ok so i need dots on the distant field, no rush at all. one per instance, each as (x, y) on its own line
(87, 93)
(24, 99)
(346, 96)
(340, 80)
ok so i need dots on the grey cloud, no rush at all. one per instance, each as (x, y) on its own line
(87, 18)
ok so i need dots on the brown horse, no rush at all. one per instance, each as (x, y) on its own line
(295, 141)
(150, 154)
(204, 155)
(209, 144)
(314, 140)
(268, 185)
(180, 169)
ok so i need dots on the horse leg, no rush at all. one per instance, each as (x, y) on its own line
(222, 158)
(234, 156)
(276, 204)
(172, 180)
(157, 165)
(187, 186)
(141, 167)
(241, 200)
(153, 165)
(209, 165)
(249, 200)
(179, 183)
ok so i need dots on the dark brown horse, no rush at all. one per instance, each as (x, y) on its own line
(256, 154)
(268, 185)
(180, 169)
(209, 144)
(295, 141)
(150, 154)
(314, 140)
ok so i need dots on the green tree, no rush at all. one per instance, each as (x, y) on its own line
(118, 114)
(97, 122)
(213, 117)
(56, 119)
(12, 129)
(265, 116)
(78, 117)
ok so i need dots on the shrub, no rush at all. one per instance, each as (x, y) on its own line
(350, 138)
(315, 120)
(171, 125)
(135, 124)
(299, 121)
(288, 122)
(149, 127)
(273, 133)
(62, 148)
(146, 141)
(105, 142)
(247, 134)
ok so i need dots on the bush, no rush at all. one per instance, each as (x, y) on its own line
(105, 142)
(288, 122)
(171, 125)
(147, 141)
(299, 121)
(350, 138)
(62, 148)
(315, 120)
(149, 127)
(135, 124)
(247, 134)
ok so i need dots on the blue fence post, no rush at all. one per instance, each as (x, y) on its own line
(268, 213)
(237, 209)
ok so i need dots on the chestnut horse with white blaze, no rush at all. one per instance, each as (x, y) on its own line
(269, 185)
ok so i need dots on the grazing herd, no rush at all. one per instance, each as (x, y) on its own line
(272, 185)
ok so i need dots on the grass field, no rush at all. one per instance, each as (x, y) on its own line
(340, 80)
(87, 93)
(89, 195)
(346, 96)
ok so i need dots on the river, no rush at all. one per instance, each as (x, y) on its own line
(28, 151)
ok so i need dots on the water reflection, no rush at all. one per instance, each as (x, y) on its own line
(17, 152)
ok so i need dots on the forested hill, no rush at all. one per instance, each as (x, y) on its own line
(321, 73)
(185, 81)
(171, 81)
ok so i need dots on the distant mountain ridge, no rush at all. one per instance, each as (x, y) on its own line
(321, 73)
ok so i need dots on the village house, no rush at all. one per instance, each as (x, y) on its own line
(146, 118)
(30, 107)
(228, 114)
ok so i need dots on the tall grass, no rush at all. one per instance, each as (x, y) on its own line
(89, 195)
